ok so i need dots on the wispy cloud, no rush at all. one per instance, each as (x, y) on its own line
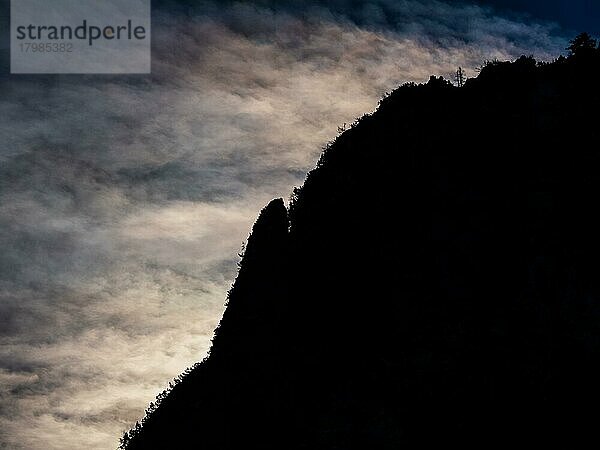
(124, 201)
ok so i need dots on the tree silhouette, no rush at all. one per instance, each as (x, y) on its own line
(581, 44)
(460, 77)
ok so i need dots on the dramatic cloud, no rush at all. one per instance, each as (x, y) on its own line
(124, 200)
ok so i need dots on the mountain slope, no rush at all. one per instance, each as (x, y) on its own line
(435, 280)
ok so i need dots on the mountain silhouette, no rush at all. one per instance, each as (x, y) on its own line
(436, 281)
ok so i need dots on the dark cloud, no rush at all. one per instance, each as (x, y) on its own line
(578, 15)
(124, 200)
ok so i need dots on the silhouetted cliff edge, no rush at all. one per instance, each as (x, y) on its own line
(435, 281)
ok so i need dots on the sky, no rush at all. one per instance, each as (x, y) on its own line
(124, 201)
(578, 15)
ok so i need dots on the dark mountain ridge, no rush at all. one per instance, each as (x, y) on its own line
(434, 281)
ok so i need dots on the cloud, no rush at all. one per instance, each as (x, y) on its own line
(124, 201)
